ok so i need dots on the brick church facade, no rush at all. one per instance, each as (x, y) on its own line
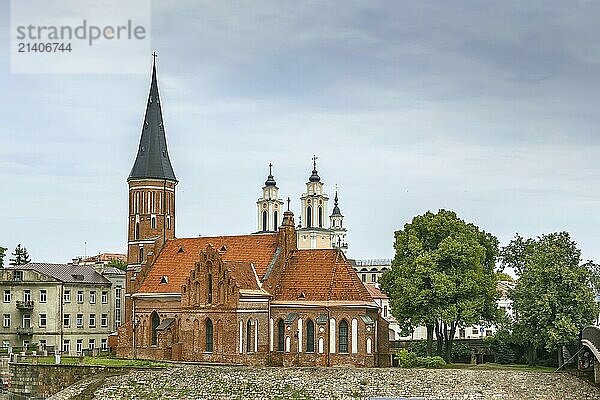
(255, 299)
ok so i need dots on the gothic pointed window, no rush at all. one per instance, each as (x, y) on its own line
(343, 337)
(264, 221)
(275, 222)
(310, 337)
(137, 230)
(155, 322)
(280, 335)
(249, 341)
(209, 336)
(320, 217)
(308, 216)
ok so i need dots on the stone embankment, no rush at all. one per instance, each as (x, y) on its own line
(198, 382)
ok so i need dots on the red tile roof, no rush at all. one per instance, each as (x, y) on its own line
(176, 265)
(375, 292)
(320, 275)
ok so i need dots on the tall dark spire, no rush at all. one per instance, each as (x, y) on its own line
(270, 180)
(152, 161)
(315, 176)
(336, 208)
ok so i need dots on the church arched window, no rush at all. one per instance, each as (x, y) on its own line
(209, 289)
(137, 230)
(343, 337)
(308, 216)
(249, 341)
(155, 322)
(310, 336)
(320, 217)
(209, 336)
(275, 222)
(280, 335)
(264, 221)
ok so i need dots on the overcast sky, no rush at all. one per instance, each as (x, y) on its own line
(487, 108)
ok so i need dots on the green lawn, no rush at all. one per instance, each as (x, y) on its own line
(102, 361)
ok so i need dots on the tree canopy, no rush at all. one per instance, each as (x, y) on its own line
(442, 277)
(116, 263)
(553, 299)
(20, 256)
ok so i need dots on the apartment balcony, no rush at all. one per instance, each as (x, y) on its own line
(25, 305)
(28, 331)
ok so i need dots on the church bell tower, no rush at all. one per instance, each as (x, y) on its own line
(152, 184)
(313, 232)
(269, 206)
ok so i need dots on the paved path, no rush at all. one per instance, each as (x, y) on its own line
(197, 382)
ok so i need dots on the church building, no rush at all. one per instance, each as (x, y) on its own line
(282, 296)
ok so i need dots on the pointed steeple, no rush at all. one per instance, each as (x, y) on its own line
(336, 207)
(152, 161)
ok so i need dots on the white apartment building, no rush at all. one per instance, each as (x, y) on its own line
(63, 307)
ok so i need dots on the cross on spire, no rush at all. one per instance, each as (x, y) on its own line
(270, 166)
(154, 56)
(315, 158)
(288, 201)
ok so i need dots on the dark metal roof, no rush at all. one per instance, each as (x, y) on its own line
(336, 208)
(315, 175)
(152, 159)
(67, 273)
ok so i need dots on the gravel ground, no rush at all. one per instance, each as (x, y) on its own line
(198, 382)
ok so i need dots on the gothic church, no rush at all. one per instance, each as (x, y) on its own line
(285, 295)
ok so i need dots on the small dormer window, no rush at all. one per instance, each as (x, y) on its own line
(180, 250)
(223, 248)
(302, 295)
(164, 279)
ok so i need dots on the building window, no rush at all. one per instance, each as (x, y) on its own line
(66, 346)
(92, 320)
(7, 296)
(67, 296)
(104, 344)
(155, 322)
(141, 255)
(92, 344)
(18, 276)
(26, 321)
(93, 297)
(364, 277)
(117, 307)
(6, 321)
(343, 337)
(310, 336)
(137, 230)
(26, 295)
(79, 346)
(80, 296)
(104, 320)
(308, 216)
(42, 345)
(168, 222)
(153, 222)
(209, 336)
(373, 278)
(43, 320)
(275, 221)
(264, 221)
(385, 311)
(80, 320)
(67, 320)
(104, 298)
(320, 217)
(249, 341)
(43, 295)
(280, 335)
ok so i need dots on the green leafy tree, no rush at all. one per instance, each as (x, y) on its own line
(2, 255)
(116, 263)
(553, 299)
(442, 277)
(20, 255)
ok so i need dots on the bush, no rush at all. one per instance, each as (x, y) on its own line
(407, 359)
